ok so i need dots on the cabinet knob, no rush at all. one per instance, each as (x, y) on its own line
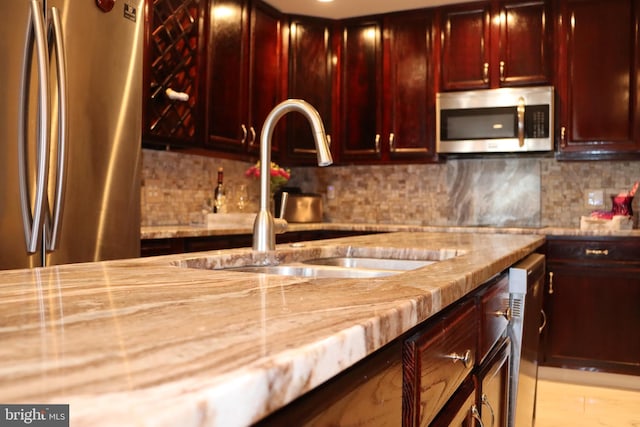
(563, 137)
(377, 142)
(392, 142)
(501, 71)
(507, 314)
(466, 358)
(485, 72)
(550, 282)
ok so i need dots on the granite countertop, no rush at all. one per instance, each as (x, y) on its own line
(148, 342)
(176, 231)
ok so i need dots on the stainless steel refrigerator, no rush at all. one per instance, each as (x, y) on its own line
(70, 114)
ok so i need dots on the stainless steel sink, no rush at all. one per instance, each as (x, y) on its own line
(314, 271)
(371, 263)
(329, 262)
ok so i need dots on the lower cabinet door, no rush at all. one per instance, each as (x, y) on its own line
(461, 410)
(493, 377)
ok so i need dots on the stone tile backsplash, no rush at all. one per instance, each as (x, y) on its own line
(497, 191)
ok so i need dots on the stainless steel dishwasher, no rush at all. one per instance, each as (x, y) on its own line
(526, 283)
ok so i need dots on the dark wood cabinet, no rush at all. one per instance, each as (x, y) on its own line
(461, 410)
(178, 245)
(227, 74)
(437, 361)
(591, 304)
(408, 87)
(311, 74)
(174, 44)
(465, 38)
(361, 91)
(268, 63)
(428, 376)
(495, 44)
(493, 378)
(387, 91)
(243, 72)
(598, 79)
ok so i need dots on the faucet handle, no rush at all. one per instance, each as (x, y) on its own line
(283, 204)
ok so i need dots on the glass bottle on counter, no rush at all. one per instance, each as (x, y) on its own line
(219, 194)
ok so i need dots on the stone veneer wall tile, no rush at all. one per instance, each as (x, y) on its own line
(176, 186)
(509, 191)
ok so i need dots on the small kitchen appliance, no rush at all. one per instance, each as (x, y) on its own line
(495, 120)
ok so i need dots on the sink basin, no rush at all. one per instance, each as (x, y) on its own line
(313, 271)
(340, 261)
(371, 263)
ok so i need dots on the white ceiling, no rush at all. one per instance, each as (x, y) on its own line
(339, 9)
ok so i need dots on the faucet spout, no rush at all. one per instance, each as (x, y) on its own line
(264, 239)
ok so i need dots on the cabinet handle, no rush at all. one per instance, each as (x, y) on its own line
(244, 133)
(544, 321)
(596, 252)
(551, 283)
(485, 401)
(507, 314)
(466, 358)
(563, 136)
(377, 142)
(501, 71)
(476, 414)
(252, 133)
(485, 72)
(392, 142)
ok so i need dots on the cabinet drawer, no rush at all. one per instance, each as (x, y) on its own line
(494, 315)
(595, 250)
(436, 361)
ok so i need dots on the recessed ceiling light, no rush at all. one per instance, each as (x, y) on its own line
(325, 1)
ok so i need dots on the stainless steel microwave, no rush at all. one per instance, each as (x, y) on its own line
(495, 120)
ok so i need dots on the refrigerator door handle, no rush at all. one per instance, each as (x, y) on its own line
(32, 221)
(52, 238)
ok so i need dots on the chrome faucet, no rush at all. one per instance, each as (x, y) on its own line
(264, 238)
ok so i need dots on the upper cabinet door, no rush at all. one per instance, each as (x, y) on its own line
(408, 86)
(465, 37)
(173, 52)
(524, 53)
(598, 84)
(311, 73)
(495, 44)
(268, 61)
(228, 74)
(361, 90)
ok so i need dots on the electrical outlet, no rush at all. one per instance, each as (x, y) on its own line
(595, 198)
(331, 192)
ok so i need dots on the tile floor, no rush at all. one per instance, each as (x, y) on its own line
(585, 399)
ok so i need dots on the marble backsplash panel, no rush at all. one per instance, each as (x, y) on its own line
(497, 191)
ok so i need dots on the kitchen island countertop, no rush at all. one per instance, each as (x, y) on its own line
(178, 231)
(149, 342)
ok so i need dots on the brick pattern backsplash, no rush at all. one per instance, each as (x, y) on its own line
(509, 191)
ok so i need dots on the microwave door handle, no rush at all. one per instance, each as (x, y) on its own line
(521, 121)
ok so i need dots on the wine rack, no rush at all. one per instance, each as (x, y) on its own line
(174, 43)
